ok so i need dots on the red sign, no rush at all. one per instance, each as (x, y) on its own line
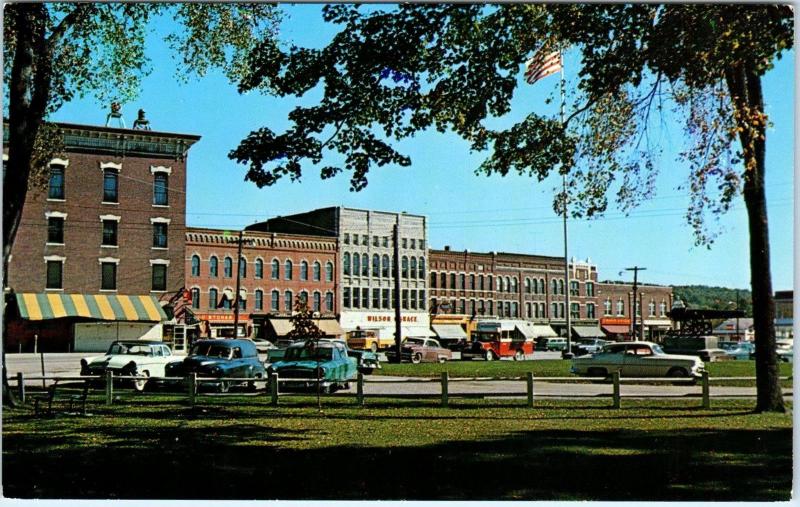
(222, 317)
(614, 321)
(389, 318)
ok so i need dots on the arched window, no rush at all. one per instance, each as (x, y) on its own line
(328, 271)
(471, 282)
(329, 301)
(553, 286)
(413, 268)
(259, 299)
(365, 265)
(528, 287)
(242, 267)
(287, 268)
(195, 265)
(376, 266)
(607, 307)
(514, 285)
(346, 263)
(385, 266)
(590, 311)
(489, 285)
(227, 267)
(462, 281)
(212, 298)
(304, 270)
(356, 264)
(422, 268)
(317, 302)
(276, 301)
(652, 308)
(316, 271)
(226, 301)
(404, 267)
(561, 286)
(662, 309)
(287, 301)
(195, 298)
(304, 297)
(501, 284)
(259, 268)
(213, 265)
(620, 307)
(480, 282)
(553, 310)
(276, 270)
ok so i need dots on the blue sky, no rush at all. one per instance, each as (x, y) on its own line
(465, 211)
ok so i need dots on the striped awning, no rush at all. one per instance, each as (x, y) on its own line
(100, 307)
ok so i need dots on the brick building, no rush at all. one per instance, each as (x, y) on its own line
(615, 300)
(275, 268)
(101, 246)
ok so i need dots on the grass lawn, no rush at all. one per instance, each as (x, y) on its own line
(154, 446)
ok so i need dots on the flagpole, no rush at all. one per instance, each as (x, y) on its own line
(567, 309)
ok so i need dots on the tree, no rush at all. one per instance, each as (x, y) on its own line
(390, 73)
(57, 51)
(304, 328)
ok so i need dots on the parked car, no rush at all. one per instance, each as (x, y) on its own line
(550, 344)
(421, 350)
(220, 358)
(637, 359)
(704, 346)
(367, 361)
(738, 350)
(589, 346)
(327, 360)
(263, 346)
(130, 358)
(783, 347)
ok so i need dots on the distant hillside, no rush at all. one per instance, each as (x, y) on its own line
(717, 298)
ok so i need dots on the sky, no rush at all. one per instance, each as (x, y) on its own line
(465, 211)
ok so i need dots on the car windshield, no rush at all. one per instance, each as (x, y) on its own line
(130, 349)
(211, 350)
(657, 349)
(301, 353)
(414, 341)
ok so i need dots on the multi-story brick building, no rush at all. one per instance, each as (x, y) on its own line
(103, 241)
(616, 300)
(275, 268)
(365, 269)
(513, 286)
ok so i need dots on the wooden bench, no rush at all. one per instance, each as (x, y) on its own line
(52, 394)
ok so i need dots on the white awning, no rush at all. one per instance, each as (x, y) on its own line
(449, 331)
(588, 332)
(416, 331)
(533, 331)
(281, 326)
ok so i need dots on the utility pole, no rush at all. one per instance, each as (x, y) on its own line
(396, 274)
(567, 308)
(738, 338)
(237, 296)
(635, 270)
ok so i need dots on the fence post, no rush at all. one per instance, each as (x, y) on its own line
(192, 389)
(20, 387)
(529, 379)
(615, 377)
(360, 389)
(109, 387)
(273, 389)
(706, 391)
(445, 398)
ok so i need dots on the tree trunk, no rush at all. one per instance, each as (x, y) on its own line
(744, 86)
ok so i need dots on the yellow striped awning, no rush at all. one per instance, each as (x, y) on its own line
(99, 306)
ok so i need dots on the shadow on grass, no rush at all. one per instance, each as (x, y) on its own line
(240, 458)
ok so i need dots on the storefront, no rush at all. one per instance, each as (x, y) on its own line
(416, 324)
(616, 328)
(277, 328)
(220, 325)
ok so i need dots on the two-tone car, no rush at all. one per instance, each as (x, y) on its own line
(226, 361)
(637, 359)
(307, 363)
(130, 358)
(421, 350)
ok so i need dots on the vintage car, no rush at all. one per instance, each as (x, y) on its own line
(549, 344)
(367, 361)
(589, 346)
(221, 358)
(784, 347)
(738, 350)
(637, 359)
(130, 358)
(305, 362)
(421, 350)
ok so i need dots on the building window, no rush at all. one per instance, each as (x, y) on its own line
(421, 268)
(554, 310)
(413, 296)
(346, 263)
(652, 308)
(443, 280)
(242, 267)
(316, 270)
(346, 297)
(159, 235)
(212, 298)
(553, 286)
(422, 299)
(110, 232)
(159, 279)
(413, 267)
(385, 299)
(365, 297)
(110, 185)
(226, 301)
(346, 238)
(196, 298)
(160, 189)
(365, 265)
(574, 288)
(329, 301)
(227, 267)
(287, 268)
(385, 242)
(575, 310)
(108, 276)
(385, 266)
(356, 297)
(56, 187)
(242, 300)
(452, 280)
(376, 265)
(607, 307)
(364, 239)
(662, 309)
(404, 302)
(590, 311)
(462, 281)
(514, 309)
(413, 243)
(275, 270)
(259, 269)
(375, 241)
(328, 271)
(432, 283)
(620, 307)
(276, 301)
(638, 308)
(480, 282)
(287, 301)
(561, 287)
(501, 284)
(527, 285)
(55, 230)
(376, 298)
(304, 271)
(561, 310)
(304, 298)
(404, 267)
(195, 265)
(213, 267)
(405, 242)
(589, 289)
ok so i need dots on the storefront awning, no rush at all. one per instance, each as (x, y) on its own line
(418, 331)
(540, 331)
(449, 331)
(616, 329)
(587, 332)
(281, 326)
(330, 327)
(100, 307)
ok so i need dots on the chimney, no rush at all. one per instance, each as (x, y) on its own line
(447, 248)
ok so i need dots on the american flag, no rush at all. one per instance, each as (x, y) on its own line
(542, 64)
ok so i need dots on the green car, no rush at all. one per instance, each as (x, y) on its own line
(303, 363)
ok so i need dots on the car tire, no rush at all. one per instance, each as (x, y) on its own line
(139, 385)
(416, 358)
(224, 386)
(519, 355)
(597, 372)
(677, 372)
(488, 355)
(442, 359)
(374, 348)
